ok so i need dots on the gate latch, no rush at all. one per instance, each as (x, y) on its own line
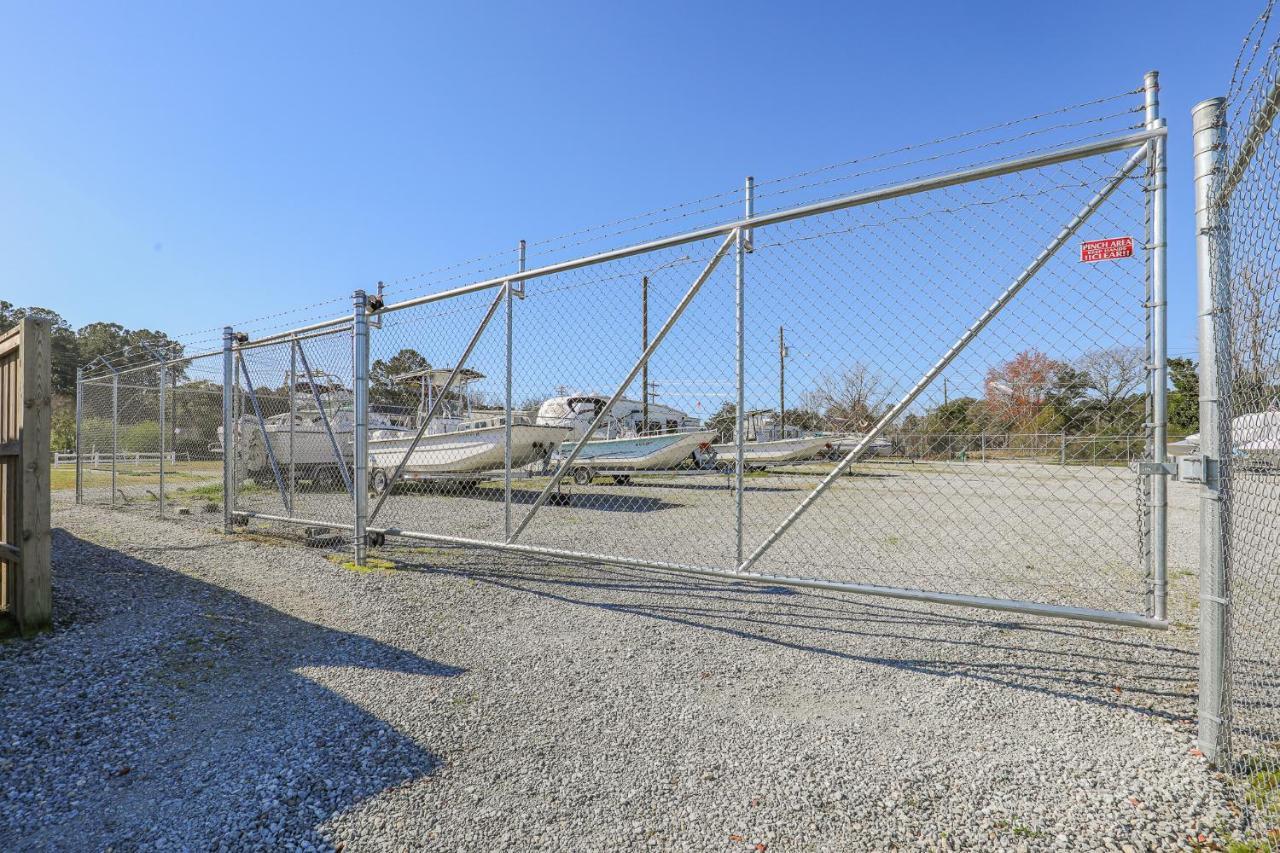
(1191, 469)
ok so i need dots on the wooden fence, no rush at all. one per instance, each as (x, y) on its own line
(25, 405)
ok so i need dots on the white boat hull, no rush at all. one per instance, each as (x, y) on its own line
(641, 453)
(311, 447)
(774, 452)
(466, 451)
(844, 445)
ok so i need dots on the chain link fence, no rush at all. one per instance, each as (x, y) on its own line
(148, 437)
(934, 374)
(1238, 169)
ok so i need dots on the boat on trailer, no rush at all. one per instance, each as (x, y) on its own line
(768, 444)
(625, 441)
(842, 445)
(461, 439)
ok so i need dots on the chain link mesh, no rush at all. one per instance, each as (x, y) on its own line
(1247, 266)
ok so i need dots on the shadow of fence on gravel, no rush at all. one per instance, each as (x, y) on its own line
(1124, 669)
(170, 712)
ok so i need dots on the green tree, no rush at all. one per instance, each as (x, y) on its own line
(723, 421)
(385, 390)
(100, 339)
(63, 351)
(1184, 399)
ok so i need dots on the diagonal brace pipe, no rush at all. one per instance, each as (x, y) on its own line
(435, 406)
(266, 439)
(324, 420)
(1139, 157)
(626, 383)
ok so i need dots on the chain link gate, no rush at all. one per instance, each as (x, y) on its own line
(1237, 161)
(293, 422)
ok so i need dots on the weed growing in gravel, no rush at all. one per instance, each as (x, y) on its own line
(371, 564)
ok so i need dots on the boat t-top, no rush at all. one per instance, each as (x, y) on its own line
(765, 443)
(461, 438)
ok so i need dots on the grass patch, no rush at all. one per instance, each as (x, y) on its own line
(371, 564)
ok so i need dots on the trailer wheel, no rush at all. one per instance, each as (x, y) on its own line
(377, 540)
(378, 480)
(582, 476)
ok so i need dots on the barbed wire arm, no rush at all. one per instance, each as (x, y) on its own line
(626, 383)
(1136, 159)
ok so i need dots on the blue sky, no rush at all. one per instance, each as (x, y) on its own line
(178, 167)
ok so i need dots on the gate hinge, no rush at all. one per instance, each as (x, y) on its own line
(1161, 469)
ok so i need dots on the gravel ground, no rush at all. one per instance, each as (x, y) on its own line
(1045, 532)
(207, 691)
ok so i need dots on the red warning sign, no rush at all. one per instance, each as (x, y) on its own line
(1092, 251)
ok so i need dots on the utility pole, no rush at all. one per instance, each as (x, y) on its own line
(644, 345)
(945, 400)
(782, 383)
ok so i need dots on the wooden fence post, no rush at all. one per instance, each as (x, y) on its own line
(26, 403)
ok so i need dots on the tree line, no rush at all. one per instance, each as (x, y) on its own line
(1102, 393)
(71, 348)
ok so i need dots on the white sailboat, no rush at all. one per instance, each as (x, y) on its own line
(460, 439)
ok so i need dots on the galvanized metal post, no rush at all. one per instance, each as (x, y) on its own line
(1159, 366)
(740, 370)
(293, 417)
(115, 429)
(228, 433)
(79, 443)
(1207, 140)
(360, 465)
(164, 378)
(506, 440)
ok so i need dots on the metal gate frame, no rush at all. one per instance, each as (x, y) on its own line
(1147, 146)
